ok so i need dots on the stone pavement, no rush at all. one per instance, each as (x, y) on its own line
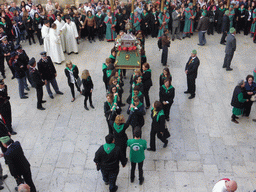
(204, 147)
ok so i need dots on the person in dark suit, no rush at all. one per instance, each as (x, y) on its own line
(72, 73)
(176, 16)
(17, 162)
(191, 72)
(165, 45)
(39, 83)
(225, 27)
(88, 88)
(157, 126)
(2, 62)
(5, 107)
(166, 95)
(230, 49)
(202, 27)
(107, 159)
(147, 82)
(154, 22)
(49, 74)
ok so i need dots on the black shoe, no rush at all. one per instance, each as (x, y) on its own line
(223, 43)
(132, 180)
(186, 92)
(254, 120)
(141, 180)
(115, 189)
(16, 188)
(25, 93)
(73, 99)
(13, 77)
(235, 121)
(200, 44)
(51, 97)
(90, 41)
(42, 108)
(92, 106)
(229, 69)
(86, 108)
(68, 53)
(13, 133)
(147, 107)
(191, 97)
(76, 52)
(59, 93)
(165, 145)
(149, 149)
(4, 76)
(224, 66)
(168, 119)
(43, 101)
(94, 40)
(3, 177)
(24, 97)
(122, 104)
(1, 187)
(107, 183)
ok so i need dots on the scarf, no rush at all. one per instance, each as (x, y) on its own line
(111, 56)
(88, 78)
(90, 17)
(73, 66)
(149, 70)
(104, 66)
(108, 147)
(37, 18)
(166, 90)
(118, 128)
(110, 105)
(109, 71)
(160, 113)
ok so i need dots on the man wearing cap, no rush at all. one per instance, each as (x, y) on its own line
(24, 59)
(225, 27)
(7, 48)
(48, 73)
(190, 15)
(163, 19)
(191, 72)
(70, 32)
(5, 107)
(230, 49)
(18, 164)
(225, 185)
(45, 35)
(39, 83)
(202, 27)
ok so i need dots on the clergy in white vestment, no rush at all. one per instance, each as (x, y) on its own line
(70, 32)
(56, 52)
(45, 35)
(60, 23)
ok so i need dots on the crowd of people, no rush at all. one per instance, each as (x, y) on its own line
(59, 29)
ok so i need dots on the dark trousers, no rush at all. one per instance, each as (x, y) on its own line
(31, 36)
(28, 179)
(39, 94)
(39, 36)
(140, 166)
(2, 66)
(210, 28)
(146, 94)
(201, 35)
(153, 134)
(88, 95)
(224, 35)
(72, 87)
(227, 60)
(101, 33)
(6, 113)
(90, 33)
(54, 85)
(110, 130)
(30, 79)
(164, 55)
(110, 176)
(166, 109)
(247, 108)
(191, 83)
(124, 72)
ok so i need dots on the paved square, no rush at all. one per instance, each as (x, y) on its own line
(204, 147)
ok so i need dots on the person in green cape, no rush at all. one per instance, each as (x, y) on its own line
(238, 101)
(137, 154)
(110, 22)
(253, 26)
(136, 20)
(163, 19)
(189, 23)
(231, 16)
(107, 70)
(157, 126)
(107, 159)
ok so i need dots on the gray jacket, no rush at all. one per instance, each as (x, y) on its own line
(175, 19)
(230, 45)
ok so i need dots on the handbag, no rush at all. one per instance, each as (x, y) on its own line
(166, 133)
(253, 98)
(79, 82)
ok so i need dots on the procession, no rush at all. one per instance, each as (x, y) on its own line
(198, 87)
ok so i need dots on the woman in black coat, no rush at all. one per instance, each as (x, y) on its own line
(157, 126)
(29, 28)
(250, 89)
(154, 22)
(119, 127)
(145, 23)
(88, 88)
(72, 73)
(166, 95)
(110, 108)
(147, 82)
(220, 13)
(38, 23)
(166, 74)
(211, 15)
(248, 20)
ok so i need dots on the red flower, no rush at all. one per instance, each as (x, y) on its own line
(130, 48)
(119, 48)
(134, 48)
(125, 48)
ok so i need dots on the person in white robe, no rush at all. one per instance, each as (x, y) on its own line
(45, 35)
(56, 52)
(60, 23)
(69, 30)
